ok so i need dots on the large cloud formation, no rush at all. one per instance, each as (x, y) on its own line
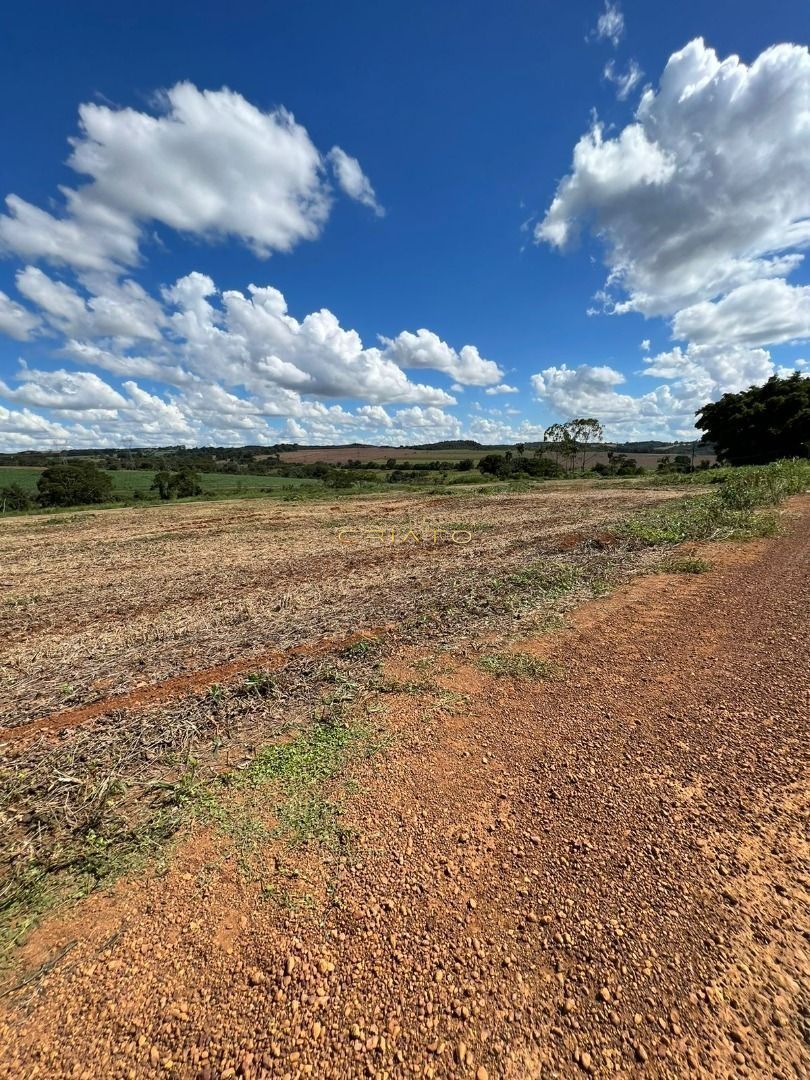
(702, 205)
(209, 164)
(230, 361)
(707, 190)
(230, 365)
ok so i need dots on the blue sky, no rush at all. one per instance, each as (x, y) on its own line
(461, 181)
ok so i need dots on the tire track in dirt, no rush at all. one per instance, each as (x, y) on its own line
(181, 686)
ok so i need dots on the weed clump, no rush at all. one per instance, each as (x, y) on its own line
(732, 512)
(686, 565)
(519, 666)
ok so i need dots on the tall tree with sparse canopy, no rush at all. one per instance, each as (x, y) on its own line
(761, 424)
(573, 438)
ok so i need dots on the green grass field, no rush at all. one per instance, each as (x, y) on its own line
(23, 475)
(128, 481)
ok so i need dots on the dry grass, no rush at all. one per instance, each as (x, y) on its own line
(99, 603)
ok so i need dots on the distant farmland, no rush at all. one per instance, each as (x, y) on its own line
(128, 481)
(380, 454)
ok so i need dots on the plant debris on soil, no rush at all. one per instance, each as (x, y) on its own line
(119, 601)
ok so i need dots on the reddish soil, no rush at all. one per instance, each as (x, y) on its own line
(602, 875)
(182, 685)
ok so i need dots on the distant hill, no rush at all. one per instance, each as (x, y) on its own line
(449, 444)
(210, 458)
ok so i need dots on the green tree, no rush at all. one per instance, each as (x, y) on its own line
(184, 484)
(762, 423)
(491, 464)
(562, 443)
(583, 432)
(14, 497)
(162, 483)
(543, 467)
(77, 484)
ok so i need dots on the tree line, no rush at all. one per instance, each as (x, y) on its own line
(752, 427)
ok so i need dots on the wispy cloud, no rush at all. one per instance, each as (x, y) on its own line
(610, 24)
(624, 81)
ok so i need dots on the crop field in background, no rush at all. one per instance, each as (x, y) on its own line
(380, 454)
(128, 481)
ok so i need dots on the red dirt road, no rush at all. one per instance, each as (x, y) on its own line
(603, 875)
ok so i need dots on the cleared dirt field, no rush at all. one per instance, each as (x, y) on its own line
(528, 806)
(98, 604)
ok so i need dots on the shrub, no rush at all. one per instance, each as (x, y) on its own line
(765, 485)
(14, 497)
(185, 484)
(519, 666)
(686, 565)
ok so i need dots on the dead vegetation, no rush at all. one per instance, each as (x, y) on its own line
(109, 602)
(246, 749)
(546, 867)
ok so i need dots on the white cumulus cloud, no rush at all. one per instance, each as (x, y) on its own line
(16, 321)
(227, 366)
(759, 313)
(207, 163)
(502, 388)
(424, 349)
(687, 211)
(702, 204)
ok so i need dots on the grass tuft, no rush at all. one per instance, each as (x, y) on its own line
(685, 564)
(296, 782)
(517, 665)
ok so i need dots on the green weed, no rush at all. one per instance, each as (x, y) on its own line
(730, 513)
(516, 665)
(685, 564)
